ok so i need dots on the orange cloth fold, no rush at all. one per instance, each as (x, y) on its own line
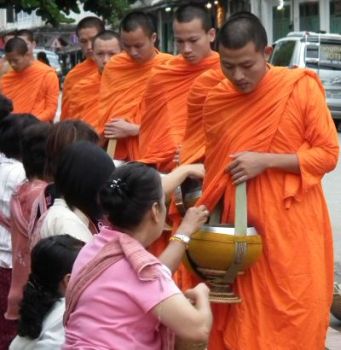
(84, 100)
(193, 144)
(286, 295)
(164, 109)
(35, 90)
(77, 73)
(122, 87)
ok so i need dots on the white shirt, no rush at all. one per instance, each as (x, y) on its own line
(12, 174)
(61, 220)
(52, 335)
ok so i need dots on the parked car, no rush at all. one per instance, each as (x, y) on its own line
(319, 52)
(53, 60)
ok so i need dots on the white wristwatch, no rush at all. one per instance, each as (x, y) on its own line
(181, 238)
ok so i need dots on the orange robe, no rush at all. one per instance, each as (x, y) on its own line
(164, 109)
(194, 143)
(286, 295)
(84, 100)
(35, 90)
(78, 72)
(122, 87)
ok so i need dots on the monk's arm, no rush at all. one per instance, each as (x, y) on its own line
(51, 85)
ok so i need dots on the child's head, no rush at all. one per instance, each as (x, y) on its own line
(52, 259)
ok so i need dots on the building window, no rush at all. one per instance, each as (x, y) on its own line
(335, 16)
(309, 16)
(10, 14)
(281, 22)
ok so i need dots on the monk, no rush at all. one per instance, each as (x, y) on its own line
(84, 99)
(32, 86)
(86, 30)
(164, 106)
(270, 127)
(124, 81)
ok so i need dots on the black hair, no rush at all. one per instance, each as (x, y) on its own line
(16, 45)
(187, 13)
(11, 131)
(138, 19)
(240, 29)
(51, 259)
(33, 144)
(82, 170)
(107, 35)
(63, 134)
(42, 57)
(90, 22)
(6, 106)
(129, 193)
(28, 34)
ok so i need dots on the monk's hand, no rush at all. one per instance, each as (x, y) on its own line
(196, 170)
(246, 165)
(120, 128)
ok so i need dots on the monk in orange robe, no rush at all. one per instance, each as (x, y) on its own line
(32, 86)
(124, 82)
(164, 106)
(86, 30)
(270, 127)
(84, 99)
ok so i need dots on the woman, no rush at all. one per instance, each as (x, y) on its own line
(43, 305)
(81, 171)
(33, 144)
(121, 295)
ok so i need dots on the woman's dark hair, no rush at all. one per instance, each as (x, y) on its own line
(33, 144)
(51, 259)
(81, 171)
(130, 193)
(6, 106)
(11, 131)
(42, 57)
(63, 134)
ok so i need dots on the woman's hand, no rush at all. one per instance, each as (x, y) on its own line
(194, 218)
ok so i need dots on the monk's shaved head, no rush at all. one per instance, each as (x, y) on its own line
(138, 19)
(190, 12)
(107, 35)
(9, 35)
(90, 22)
(17, 45)
(240, 29)
(28, 34)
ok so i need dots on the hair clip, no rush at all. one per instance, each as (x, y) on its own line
(115, 186)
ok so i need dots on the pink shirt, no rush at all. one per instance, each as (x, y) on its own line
(114, 312)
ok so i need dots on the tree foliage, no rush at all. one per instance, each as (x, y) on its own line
(56, 12)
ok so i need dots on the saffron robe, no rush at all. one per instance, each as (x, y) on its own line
(164, 109)
(35, 90)
(286, 295)
(84, 100)
(122, 87)
(77, 73)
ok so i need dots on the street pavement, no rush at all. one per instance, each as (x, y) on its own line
(332, 189)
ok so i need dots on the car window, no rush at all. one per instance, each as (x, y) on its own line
(282, 53)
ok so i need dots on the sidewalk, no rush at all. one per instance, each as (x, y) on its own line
(333, 341)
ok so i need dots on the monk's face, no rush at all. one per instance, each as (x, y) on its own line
(192, 41)
(104, 50)
(244, 67)
(138, 45)
(19, 61)
(30, 44)
(85, 37)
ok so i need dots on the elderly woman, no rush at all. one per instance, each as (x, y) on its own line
(121, 296)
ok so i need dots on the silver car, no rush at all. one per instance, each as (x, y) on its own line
(319, 52)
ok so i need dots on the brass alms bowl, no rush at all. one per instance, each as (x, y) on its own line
(217, 255)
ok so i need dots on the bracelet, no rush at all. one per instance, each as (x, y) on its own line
(180, 237)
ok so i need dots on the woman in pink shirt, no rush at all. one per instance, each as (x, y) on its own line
(122, 297)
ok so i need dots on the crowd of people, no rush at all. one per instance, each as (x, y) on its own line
(91, 253)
